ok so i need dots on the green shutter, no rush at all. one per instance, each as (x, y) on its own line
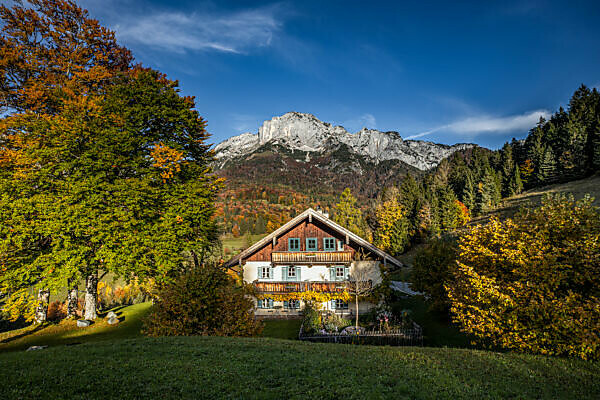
(332, 273)
(270, 303)
(333, 304)
(298, 270)
(285, 304)
(284, 273)
(346, 272)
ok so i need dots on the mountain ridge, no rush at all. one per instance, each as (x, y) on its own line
(304, 132)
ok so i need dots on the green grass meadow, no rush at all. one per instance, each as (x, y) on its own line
(266, 368)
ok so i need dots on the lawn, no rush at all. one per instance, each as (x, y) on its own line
(212, 367)
(67, 332)
(282, 328)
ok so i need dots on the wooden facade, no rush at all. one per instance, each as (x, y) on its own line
(305, 229)
(287, 287)
(311, 257)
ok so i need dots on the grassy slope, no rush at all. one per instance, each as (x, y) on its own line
(67, 332)
(534, 197)
(211, 367)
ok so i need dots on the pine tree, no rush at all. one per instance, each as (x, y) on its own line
(468, 193)
(547, 171)
(508, 165)
(516, 185)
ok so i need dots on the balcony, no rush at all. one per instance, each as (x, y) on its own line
(307, 257)
(287, 287)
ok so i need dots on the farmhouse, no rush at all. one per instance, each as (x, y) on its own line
(310, 257)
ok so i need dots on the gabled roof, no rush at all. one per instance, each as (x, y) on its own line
(310, 213)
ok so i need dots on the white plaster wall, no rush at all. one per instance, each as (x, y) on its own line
(311, 273)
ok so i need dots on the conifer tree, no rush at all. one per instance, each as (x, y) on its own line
(468, 193)
(546, 172)
(516, 185)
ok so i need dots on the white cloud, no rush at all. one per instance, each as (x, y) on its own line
(179, 32)
(474, 126)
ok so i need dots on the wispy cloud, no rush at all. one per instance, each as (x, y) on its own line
(479, 125)
(235, 32)
(363, 121)
(242, 123)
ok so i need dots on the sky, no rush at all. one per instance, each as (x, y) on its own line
(447, 72)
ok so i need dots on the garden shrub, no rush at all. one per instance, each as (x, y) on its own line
(311, 319)
(204, 301)
(532, 283)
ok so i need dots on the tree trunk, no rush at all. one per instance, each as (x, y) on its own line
(356, 311)
(72, 300)
(41, 312)
(91, 297)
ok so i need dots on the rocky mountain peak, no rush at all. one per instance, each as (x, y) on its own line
(305, 132)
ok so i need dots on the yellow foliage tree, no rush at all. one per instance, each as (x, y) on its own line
(533, 283)
(392, 233)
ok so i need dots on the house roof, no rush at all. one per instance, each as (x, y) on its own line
(310, 213)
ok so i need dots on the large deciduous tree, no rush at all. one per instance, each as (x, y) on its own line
(106, 172)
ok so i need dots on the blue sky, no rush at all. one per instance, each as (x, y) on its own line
(446, 71)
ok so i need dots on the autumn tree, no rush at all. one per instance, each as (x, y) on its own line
(348, 215)
(111, 160)
(392, 231)
(532, 283)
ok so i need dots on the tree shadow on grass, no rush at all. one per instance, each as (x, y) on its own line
(38, 327)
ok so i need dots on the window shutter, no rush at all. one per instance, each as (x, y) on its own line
(332, 273)
(298, 270)
(259, 303)
(284, 273)
(285, 304)
(333, 304)
(270, 303)
(346, 272)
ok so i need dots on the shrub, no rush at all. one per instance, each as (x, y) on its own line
(533, 283)
(204, 301)
(433, 269)
(311, 322)
(334, 323)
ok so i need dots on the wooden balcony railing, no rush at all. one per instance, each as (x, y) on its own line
(307, 257)
(287, 287)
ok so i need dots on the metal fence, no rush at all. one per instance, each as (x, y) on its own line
(412, 336)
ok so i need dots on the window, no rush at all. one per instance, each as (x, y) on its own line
(291, 304)
(291, 272)
(329, 244)
(264, 273)
(338, 273)
(338, 304)
(311, 244)
(265, 303)
(293, 244)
